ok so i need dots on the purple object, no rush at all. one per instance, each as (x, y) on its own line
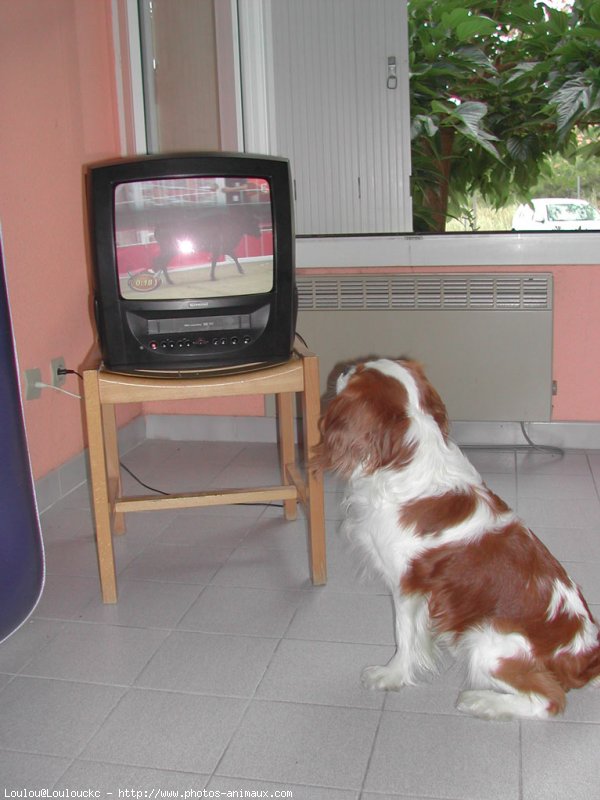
(21, 549)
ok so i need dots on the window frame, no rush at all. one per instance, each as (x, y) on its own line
(249, 32)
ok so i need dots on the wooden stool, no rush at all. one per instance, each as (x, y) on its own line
(104, 389)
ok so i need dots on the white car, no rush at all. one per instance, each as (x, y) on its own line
(556, 214)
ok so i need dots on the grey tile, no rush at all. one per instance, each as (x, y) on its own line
(335, 617)
(28, 770)
(110, 778)
(278, 533)
(560, 760)
(144, 604)
(437, 694)
(445, 756)
(326, 673)
(548, 512)
(51, 716)
(167, 731)
(65, 523)
(206, 530)
(571, 463)
(494, 461)
(229, 786)
(586, 576)
(267, 568)
(576, 544)
(557, 486)
(178, 563)
(96, 653)
(235, 610)
(65, 596)
(26, 642)
(209, 663)
(288, 743)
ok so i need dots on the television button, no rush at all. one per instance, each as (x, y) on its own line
(234, 340)
(153, 345)
(246, 340)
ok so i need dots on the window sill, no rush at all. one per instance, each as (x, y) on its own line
(452, 250)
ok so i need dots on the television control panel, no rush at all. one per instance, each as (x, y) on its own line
(187, 336)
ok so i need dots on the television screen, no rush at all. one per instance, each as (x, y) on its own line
(193, 237)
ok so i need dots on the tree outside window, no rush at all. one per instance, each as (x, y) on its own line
(505, 103)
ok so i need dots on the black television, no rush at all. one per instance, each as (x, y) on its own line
(193, 261)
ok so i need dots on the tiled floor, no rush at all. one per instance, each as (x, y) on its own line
(221, 668)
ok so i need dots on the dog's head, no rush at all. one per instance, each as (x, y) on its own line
(375, 420)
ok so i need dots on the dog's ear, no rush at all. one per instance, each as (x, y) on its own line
(366, 426)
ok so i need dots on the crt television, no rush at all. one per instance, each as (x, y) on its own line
(193, 260)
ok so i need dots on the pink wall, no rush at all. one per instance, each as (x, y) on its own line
(576, 332)
(58, 113)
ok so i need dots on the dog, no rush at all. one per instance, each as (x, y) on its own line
(217, 231)
(465, 572)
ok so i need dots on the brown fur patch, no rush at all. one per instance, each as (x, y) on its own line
(527, 676)
(433, 515)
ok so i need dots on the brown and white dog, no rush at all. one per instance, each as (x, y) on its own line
(464, 570)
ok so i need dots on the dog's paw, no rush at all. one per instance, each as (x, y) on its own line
(382, 678)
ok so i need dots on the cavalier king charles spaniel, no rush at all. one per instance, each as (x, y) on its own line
(465, 572)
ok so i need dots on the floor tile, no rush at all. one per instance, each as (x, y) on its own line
(167, 730)
(206, 530)
(228, 787)
(65, 596)
(586, 576)
(576, 544)
(26, 642)
(560, 760)
(540, 463)
(265, 568)
(144, 604)
(30, 771)
(336, 617)
(557, 486)
(292, 673)
(96, 653)
(110, 778)
(548, 512)
(306, 744)
(474, 759)
(217, 601)
(178, 563)
(238, 610)
(209, 663)
(51, 716)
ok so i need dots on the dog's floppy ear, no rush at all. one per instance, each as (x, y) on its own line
(366, 425)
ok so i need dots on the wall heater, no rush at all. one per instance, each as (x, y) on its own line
(484, 339)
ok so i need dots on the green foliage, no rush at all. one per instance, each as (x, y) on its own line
(496, 89)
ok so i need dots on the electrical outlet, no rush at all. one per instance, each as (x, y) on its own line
(32, 377)
(55, 365)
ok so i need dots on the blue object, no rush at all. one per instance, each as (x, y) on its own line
(21, 549)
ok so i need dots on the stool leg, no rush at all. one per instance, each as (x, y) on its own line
(98, 474)
(287, 450)
(113, 470)
(311, 409)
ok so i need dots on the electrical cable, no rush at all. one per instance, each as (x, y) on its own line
(531, 445)
(40, 385)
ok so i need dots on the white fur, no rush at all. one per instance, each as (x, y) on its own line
(372, 520)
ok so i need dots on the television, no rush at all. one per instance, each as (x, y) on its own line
(193, 261)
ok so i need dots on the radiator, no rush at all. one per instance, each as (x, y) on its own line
(485, 340)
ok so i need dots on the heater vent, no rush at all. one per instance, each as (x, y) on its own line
(495, 292)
